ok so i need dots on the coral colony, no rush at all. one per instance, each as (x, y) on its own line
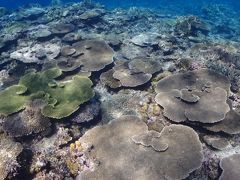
(93, 93)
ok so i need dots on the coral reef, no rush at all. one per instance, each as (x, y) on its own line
(121, 158)
(188, 96)
(29, 121)
(229, 125)
(87, 113)
(230, 166)
(216, 142)
(108, 80)
(9, 152)
(139, 93)
(62, 98)
(37, 53)
(94, 54)
(130, 78)
(190, 26)
(15, 98)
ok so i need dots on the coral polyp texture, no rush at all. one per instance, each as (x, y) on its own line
(145, 65)
(129, 154)
(62, 98)
(108, 79)
(199, 79)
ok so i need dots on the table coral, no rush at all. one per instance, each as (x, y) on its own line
(121, 158)
(62, 98)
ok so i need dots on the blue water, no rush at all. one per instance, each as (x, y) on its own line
(179, 6)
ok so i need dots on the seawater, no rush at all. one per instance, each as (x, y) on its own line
(180, 7)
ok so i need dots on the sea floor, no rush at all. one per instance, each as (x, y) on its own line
(119, 94)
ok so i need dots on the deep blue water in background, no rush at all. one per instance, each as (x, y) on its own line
(180, 6)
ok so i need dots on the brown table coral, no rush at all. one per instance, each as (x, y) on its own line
(122, 158)
(195, 96)
(230, 166)
(93, 54)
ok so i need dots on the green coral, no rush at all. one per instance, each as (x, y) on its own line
(36, 82)
(13, 99)
(62, 98)
(69, 97)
